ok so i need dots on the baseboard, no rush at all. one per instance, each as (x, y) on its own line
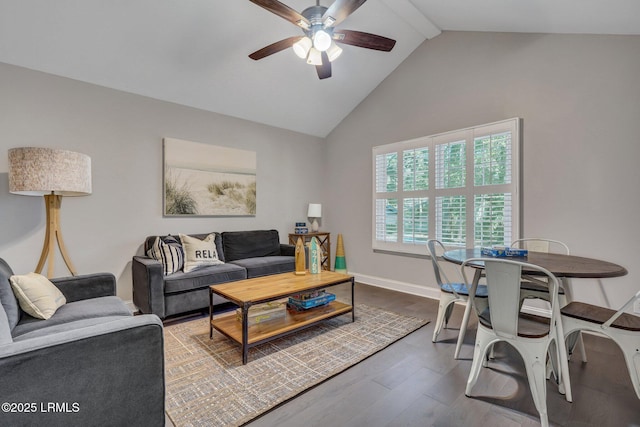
(425, 291)
(395, 285)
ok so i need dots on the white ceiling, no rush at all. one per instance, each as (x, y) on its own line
(194, 52)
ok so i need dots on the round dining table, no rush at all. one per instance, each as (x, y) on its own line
(562, 266)
(559, 264)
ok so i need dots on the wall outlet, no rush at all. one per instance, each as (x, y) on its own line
(636, 306)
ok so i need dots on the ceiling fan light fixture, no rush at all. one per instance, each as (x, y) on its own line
(334, 52)
(321, 40)
(302, 46)
(315, 57)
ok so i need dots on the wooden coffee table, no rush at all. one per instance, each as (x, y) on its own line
(245, 293)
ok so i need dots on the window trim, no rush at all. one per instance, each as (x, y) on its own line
(468, 134)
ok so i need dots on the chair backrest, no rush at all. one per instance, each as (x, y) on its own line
(537, 244)
(436, 249)
(503, 285)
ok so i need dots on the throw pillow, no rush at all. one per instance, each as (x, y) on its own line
(36, 295)
(170, 252)
(199, 253)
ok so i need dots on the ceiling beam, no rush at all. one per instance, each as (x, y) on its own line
(412, 15)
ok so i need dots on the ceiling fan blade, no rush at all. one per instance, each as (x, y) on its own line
(274, 48)
(283, 11)
(340, 9)
(324, 70)
(366, 40)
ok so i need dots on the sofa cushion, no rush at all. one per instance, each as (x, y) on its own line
(203, 277)
(7, 297)
(36, 294)
(67, 326)
(199, 253)
(263, 266)
(250, 244)
(168, 250)
(84, 309)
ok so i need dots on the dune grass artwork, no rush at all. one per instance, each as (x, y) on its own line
(208, 180)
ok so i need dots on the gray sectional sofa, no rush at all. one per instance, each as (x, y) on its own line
(246, 254)
(91, 363)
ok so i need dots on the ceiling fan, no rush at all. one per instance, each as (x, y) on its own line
(318, 23)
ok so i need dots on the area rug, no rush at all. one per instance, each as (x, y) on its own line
(207, 384)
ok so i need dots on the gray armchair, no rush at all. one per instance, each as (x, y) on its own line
(92, 363)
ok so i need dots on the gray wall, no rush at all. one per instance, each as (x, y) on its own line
(122, 133)
(579, 98)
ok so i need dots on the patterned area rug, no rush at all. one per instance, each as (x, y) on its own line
(207, 384)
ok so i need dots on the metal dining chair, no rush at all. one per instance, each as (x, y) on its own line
(450, 292)
(531, 289)
(534, 289)
(533, 337)
(623, 328)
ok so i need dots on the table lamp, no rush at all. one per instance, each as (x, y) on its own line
(315, 212)
(52, 173)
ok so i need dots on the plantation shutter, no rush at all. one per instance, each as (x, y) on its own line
(461, 187)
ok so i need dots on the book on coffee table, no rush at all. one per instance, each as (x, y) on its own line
(305, 302)
(264, 312)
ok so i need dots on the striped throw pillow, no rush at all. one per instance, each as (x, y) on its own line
(170, 252)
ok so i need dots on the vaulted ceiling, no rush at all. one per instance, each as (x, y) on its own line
(195, 52)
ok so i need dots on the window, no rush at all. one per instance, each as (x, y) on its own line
(460, 187)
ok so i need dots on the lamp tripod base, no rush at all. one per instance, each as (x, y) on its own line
(52, 236)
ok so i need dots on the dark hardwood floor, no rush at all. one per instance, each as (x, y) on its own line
(415, 382)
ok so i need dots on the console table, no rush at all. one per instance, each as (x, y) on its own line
(325, 243)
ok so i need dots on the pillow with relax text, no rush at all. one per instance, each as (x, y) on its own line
(170, 252)
(36, 295)
(199, 253)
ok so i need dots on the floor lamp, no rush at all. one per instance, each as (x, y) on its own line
(52, 173)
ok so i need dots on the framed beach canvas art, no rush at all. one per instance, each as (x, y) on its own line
(208, 180)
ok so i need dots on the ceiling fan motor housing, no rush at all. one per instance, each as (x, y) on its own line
(314, 15)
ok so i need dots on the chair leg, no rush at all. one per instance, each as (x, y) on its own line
(463, 329)
(483, 342)
(447, 314)
(535, 363)
(573, 341)
(445, 305)
(536, 373)
(559, 342)
(631, 350)
(583, 352)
